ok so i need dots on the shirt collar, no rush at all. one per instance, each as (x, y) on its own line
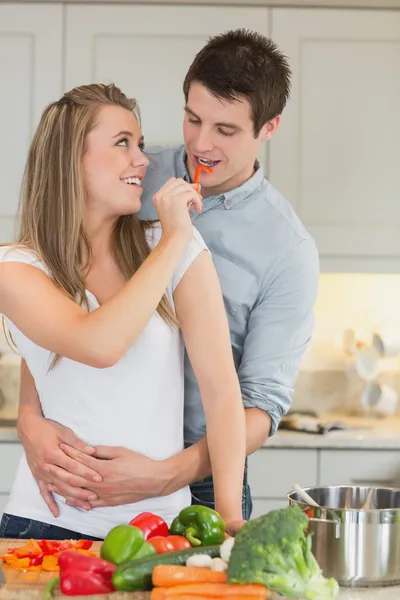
(232, 197)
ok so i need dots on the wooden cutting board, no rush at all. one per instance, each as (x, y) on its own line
(31, 585)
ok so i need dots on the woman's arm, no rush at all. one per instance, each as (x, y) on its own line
(201, 313)
(100, 338)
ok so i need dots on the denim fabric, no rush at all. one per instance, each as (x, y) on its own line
(203, 494)
(12, 526)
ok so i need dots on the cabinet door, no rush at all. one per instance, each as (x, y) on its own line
(336, 153)
(367, 468)
(30, 72)
(146, 50)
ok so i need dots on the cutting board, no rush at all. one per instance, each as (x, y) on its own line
(31, 585)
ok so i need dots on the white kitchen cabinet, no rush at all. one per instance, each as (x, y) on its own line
(336, 153)
(146, 50)
(360, 467)
(272, 473)
(31, 76)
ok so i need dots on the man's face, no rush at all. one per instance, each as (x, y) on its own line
(220, 133)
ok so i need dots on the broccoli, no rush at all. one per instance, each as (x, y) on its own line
(275, 551)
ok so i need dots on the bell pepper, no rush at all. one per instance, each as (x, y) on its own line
(82, 575)
(151, 525)
(201, 525)
(122, 543)
(170, 543)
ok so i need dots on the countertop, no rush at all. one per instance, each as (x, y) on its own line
(362, 433)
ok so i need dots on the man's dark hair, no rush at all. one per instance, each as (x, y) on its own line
(243, 63)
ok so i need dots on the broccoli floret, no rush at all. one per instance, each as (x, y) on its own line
(275, 551)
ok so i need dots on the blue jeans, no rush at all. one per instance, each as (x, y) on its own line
(203, 493)
(19, 527)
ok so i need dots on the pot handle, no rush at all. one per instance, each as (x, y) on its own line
(335, 522)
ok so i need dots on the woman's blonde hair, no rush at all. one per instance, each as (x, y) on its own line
(52, 199)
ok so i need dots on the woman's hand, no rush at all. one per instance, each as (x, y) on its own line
(172, 202)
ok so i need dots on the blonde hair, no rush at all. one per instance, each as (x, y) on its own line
(52, 198)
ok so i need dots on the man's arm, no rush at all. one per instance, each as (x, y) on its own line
(279, 331)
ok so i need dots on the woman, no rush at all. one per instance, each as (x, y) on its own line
(93, 300)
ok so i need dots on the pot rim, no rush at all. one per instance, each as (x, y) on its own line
(352, 510)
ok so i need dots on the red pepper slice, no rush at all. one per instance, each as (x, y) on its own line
(151, 525)
(36, 560)
(199, 168)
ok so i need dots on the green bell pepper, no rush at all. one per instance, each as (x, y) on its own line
(201, 525)
(122, 543)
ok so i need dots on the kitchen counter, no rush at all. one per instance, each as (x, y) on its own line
(365, 434)
(362, 433)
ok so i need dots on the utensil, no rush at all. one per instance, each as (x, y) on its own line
(367, 551)
(311, 502)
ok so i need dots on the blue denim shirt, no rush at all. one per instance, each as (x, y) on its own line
(268, 268)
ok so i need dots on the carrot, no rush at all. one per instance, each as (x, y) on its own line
(170, 575)
(158, 593)
(200, 168)
(218, 590)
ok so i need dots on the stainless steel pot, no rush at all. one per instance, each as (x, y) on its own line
(357, 546)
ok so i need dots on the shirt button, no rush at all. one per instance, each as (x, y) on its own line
(229, 202)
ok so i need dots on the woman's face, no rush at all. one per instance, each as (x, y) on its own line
(114, 164)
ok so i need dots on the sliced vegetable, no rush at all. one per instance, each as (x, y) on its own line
(170, 575)
(121, 544)
(35, 554)
(200, 168)
(151, 525)
(200, 525)
(137, 574)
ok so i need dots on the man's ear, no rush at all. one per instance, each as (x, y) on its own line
(268, 130)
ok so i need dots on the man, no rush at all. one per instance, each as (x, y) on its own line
(235, 92)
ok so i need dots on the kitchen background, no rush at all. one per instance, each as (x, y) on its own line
(335, 157)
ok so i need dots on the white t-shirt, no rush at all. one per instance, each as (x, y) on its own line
(137, 404)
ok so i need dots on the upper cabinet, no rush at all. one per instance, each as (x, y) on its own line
(336, 153)
(31, 77)
(146, 50)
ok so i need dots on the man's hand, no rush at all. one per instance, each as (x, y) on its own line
(41, 439)
(127, 477)
(232, 527)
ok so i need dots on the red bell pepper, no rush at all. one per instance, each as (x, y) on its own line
(170, 543)
(82, 575)
(151, 525)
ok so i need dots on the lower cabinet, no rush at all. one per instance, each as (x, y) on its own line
(273, 471)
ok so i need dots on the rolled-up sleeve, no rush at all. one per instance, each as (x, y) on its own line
(279, 330)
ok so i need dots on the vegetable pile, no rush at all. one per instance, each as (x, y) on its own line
(192, 559)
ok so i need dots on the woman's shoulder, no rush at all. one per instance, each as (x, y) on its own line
(20, 253)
